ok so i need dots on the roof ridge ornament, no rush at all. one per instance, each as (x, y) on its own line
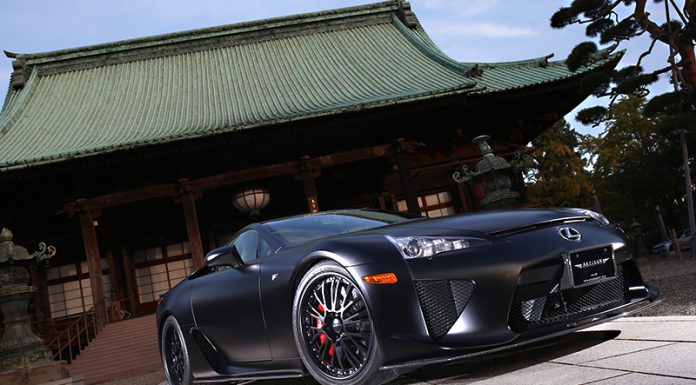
(474, 72)
(406, 14)
(20, 72)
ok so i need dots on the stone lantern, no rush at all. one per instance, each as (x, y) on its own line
(24, 359)
(494, 174)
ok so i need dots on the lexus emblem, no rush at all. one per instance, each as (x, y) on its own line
(569, 234)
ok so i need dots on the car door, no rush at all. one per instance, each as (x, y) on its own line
(227, 307)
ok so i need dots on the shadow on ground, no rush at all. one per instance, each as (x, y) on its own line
(492, 365)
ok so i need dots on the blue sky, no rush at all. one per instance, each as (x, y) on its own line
(467, 30)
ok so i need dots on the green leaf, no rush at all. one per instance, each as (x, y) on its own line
(596, 83)
(592, 115)
(563, 17)
(589, 8)
(675, 25)
(668, 103)
(635, 84)
(580, 55)
(683, 121)
(626, 72)
(625, 29)
(598, 27)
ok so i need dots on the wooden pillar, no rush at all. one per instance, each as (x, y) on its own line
(42, 307)
(394, 202)
(188, 203)
(401, 156)
(464, 197)
(131, 289)
(89, 240)
(307, 174)
(116, 281)
(382, 201)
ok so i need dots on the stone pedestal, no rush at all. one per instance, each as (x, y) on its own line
(35, 375)
(19, 347)
(24, 359)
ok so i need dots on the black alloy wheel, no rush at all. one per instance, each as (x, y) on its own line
(175, 354)
(333, 328)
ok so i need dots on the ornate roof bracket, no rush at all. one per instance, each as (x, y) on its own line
(20, 73)
(406, 14)
(474, 72)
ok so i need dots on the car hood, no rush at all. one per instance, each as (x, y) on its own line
(500, 221)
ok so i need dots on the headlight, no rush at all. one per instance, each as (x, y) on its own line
(594, 215)
(424, 247)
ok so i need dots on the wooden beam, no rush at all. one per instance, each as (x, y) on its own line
(89, 240)
(129, 196)
(239, 176)
(188, 203)
(225, 179)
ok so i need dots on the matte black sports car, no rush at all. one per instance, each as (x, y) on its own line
(357, 297)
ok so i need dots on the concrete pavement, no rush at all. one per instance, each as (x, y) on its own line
(635, 350)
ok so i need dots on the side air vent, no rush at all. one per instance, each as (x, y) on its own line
(442, 302)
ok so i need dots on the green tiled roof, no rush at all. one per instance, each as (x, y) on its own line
(91, 100)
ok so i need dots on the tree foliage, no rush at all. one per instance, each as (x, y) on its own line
(632, 166)
(636, 160)
(628, 165)
(675, 29)
(630, 160)
(559, 177)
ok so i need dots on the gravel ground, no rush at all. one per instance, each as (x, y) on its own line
(675, 277)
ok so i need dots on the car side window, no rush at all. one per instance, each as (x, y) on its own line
(264, 249)
(246, 244)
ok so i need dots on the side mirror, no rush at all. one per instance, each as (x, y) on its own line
(224, 256)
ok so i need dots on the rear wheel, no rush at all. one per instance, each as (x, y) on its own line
(333, 329)
(174, 353)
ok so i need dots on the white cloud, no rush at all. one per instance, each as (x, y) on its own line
(485, 30)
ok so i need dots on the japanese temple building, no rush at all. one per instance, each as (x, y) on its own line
(127, 156)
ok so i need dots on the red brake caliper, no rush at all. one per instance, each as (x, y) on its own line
(323, 337)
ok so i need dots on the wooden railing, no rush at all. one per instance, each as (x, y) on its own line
(79, 331)
(66, 345)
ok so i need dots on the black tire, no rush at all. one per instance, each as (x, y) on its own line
(174, 353)
(337, 345)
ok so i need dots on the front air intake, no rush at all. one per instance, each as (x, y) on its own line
(544, 303)
(442, 302)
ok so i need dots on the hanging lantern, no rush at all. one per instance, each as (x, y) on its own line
(251, 201)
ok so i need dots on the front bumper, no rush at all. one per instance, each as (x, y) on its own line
(464, 304)
(583, 323)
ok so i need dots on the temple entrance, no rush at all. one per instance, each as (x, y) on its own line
(158, 269)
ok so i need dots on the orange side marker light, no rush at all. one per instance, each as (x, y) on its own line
(381, 279)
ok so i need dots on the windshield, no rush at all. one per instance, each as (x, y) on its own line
(303, 229)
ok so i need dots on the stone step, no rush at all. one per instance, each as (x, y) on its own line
(132, 342)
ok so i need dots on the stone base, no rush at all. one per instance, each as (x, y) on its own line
(35, 375)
